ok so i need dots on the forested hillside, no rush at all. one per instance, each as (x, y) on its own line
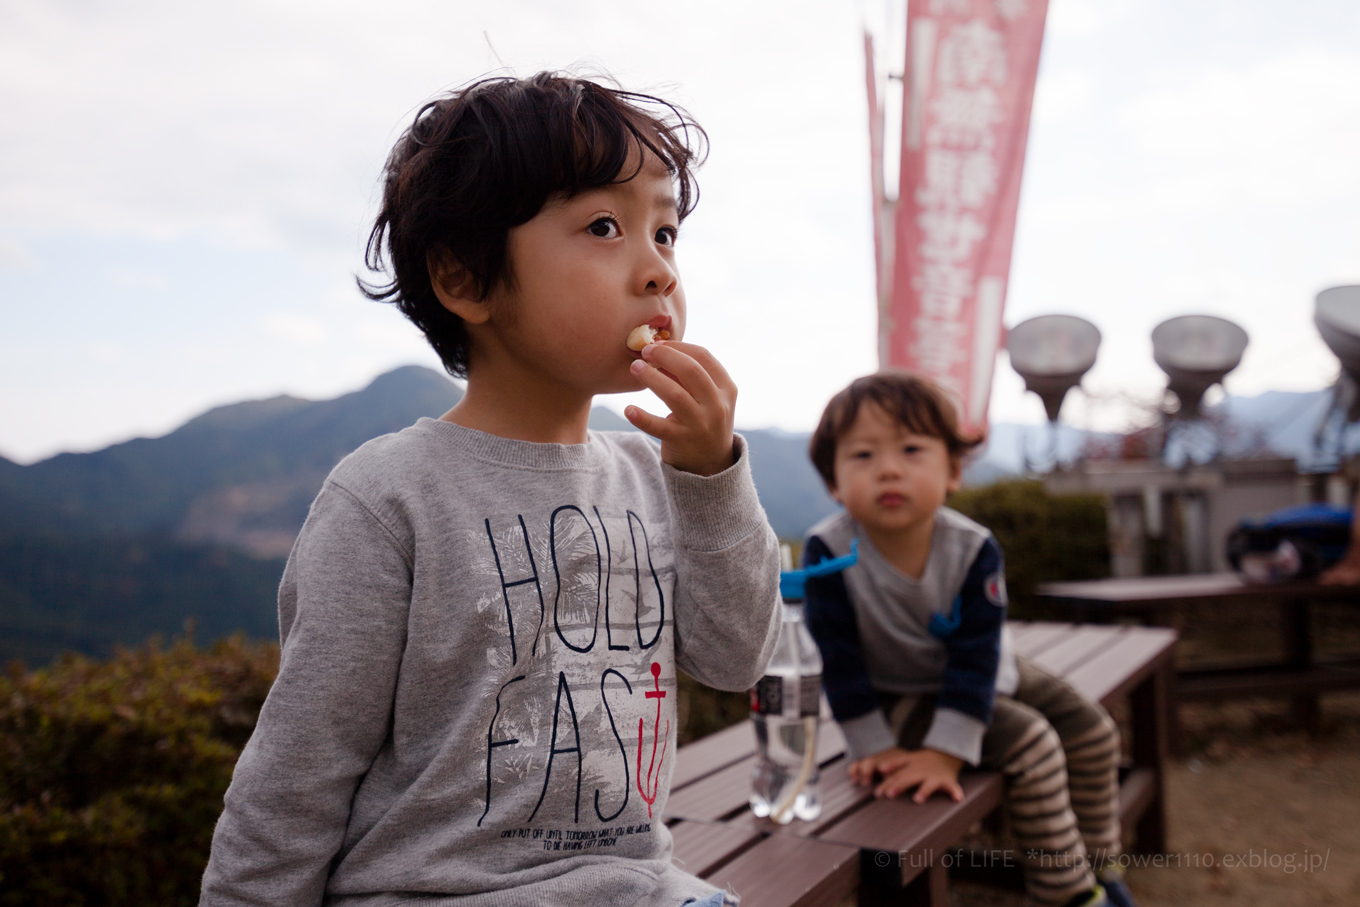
(109, 547)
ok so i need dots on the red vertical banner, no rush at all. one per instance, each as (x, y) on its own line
(969, 86)
(883, 208)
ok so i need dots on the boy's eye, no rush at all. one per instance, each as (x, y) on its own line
(666, 236)
(605, 228)
(911, 449)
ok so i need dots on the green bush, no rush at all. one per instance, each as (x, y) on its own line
(112, 773)
(1045, 537)
(703, 710)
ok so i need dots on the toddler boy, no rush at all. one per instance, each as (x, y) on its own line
(482, 617)
(918, 665)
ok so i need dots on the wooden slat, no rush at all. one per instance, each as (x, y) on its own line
(1081, 644)
(1266, 680)
(722, 748)
(702, 848)
(1136, 653)
(830, 740)
(839, 798)
(716, 751)
(903, 827)
(724, 793)
(1021, 629)
(714, 797)
(1040, 637)
(1152, 590)
(789, 871)
(1148, 588)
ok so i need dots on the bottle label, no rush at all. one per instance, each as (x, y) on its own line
(792, 697)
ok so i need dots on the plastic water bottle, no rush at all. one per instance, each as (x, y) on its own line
(785, 705)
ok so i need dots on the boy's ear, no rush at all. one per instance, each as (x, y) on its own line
(455, 289)
(955, 474)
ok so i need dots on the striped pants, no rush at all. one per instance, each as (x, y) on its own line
(1059, 755)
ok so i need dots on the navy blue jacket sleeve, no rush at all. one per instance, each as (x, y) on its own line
(831, 619)
(972, 637)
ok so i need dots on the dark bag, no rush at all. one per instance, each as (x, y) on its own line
(1294, 543)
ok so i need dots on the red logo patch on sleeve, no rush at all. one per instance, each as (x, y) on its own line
(995, 589)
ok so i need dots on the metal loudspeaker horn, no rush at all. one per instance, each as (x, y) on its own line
(1337, 317)
(1196, 352)
(1052, 352)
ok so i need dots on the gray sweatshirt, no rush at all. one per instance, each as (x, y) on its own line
(476, 698)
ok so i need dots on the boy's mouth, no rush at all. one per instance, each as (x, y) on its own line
(657, 328)
(891, 499)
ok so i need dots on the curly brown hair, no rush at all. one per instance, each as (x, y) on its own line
(486, 158)
(918, 403)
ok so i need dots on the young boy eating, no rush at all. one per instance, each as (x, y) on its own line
(482, 617)
(918, 665)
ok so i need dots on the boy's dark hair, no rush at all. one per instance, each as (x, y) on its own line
(486, 158)
(919, 404)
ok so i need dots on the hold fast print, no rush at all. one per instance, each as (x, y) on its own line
(577, 600)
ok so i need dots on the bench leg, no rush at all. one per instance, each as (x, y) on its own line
(1298, 640)
(880, 882)
(1150, 706)
(929, 889)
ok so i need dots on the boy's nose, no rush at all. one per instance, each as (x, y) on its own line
(656, 276)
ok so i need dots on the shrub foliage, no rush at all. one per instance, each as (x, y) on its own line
(1045, 537)
(112, 773)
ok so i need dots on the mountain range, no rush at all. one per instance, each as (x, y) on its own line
(108, 547)
(243, 475)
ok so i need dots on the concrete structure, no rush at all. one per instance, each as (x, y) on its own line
(1165, 520)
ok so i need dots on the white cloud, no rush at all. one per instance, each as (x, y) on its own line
(1063, 94)
(14, 254)
(235, 149)
(1077, 18)
(138, 279)
(108, 353)
(294, 328)
(1284, 130)
(389, 334)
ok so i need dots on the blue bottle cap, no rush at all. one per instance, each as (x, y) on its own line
(792, 583)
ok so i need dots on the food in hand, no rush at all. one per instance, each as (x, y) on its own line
(644, 334)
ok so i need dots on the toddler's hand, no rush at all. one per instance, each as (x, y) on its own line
(863, 772)
(925, 770)
(697, 435)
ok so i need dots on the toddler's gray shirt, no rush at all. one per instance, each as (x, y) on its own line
(476, 698)
(893, 613)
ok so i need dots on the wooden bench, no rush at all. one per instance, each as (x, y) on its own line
(1163, 600)
(897, 851)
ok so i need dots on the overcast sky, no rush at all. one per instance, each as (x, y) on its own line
(185, 189)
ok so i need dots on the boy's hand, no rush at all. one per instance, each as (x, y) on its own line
(862, 772)
(926, 770)
(697, 435)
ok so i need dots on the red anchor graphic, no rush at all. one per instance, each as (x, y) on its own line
(655, 765)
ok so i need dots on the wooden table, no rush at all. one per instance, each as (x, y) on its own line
(1160, 600)
(895, 850)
